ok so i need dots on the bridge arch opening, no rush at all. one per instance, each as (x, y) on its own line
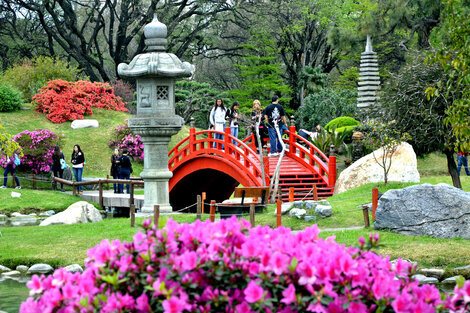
(217, 185)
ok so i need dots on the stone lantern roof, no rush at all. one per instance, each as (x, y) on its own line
(156, 62)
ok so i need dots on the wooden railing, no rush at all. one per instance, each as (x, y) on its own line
(100, 182)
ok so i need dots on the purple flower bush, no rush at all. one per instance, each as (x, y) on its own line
(229, 267)
(122, 137)
(38, 146)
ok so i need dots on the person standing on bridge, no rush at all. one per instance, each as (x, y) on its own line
(217, 119)
(125, 170)
(115, 168)
(234, 118)
(274, 115)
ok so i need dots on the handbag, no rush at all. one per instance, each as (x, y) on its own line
(63, 164)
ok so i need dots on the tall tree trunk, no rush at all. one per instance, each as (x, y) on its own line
(452, 167)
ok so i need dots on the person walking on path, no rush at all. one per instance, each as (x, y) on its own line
(257, 118)
(274, 115)
(234, 119)
(115, 168)
(11, 163)
(462, 160)
(58, 159)
(125, 170)
(217, 119)
(78, 162)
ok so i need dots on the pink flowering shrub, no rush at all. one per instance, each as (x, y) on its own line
(122, 137)
(38, 146)
(228, 267)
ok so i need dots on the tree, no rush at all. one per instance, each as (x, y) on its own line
(405, 101)
(454, 57)
(100, 34)
(195, 99)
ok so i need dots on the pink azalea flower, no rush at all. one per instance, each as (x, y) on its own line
(253, 292)
(289, 295)
(174, 305)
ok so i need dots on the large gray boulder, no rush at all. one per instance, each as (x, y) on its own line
(440, 211)
(79, 212)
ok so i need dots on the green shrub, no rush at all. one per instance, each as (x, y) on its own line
(341, 122)
(322, 107)
(347, 130)
(10, 98)
(30, 75)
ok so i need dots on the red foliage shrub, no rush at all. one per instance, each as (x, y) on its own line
(124, 90)
(63, 101)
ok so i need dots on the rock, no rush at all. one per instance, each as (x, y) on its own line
(32, 214)
(467, 267)
(424, 279)
(47, 213)
(310, 218)
(15, 214)
(440, 211)
(79, 212)
(4, 269)
(432, 272)
(11, 274)
(324, 210)
(450, 282)
(73, 268)
(299, 213)
(298, 204)
(22, 268)
(366, 170)
(77, 124)
(285, 207)
(310, 204)
(40, 269)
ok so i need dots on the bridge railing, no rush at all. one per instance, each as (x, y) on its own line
(204, 142)
(307, 154)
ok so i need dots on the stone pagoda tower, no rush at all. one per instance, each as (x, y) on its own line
(156, 72)
(369, 79)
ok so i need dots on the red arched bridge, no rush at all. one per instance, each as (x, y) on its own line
(201, 163)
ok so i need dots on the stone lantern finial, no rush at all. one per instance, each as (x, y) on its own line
(155, 35)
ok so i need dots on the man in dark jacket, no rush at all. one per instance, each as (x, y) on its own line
(274, 114)
(125, 169)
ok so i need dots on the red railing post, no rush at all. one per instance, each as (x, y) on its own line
(227, 140)
(266, 167)
(278, 212)
(192, 137)
(291, 194)
(332, 171)
(292, 136)
(212, 211)
(375, 201)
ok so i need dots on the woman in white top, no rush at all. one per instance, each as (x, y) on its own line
(217, 119)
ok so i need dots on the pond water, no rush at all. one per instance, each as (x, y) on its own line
(12, 293)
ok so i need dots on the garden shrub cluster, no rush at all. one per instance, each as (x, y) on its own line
(10, 98)
(124, 90)
(228, 267)
(64, 101)
(32, 74)
(341, 122)
(123, 138)
(38, 146)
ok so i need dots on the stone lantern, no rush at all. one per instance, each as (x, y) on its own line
(155, 121)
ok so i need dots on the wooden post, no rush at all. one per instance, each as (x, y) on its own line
(198, 207)
(156, 215)
(252, 215)
(14, 181)
(74, 188)
(212, 211)
(100, 195)
(203, 200)
(34, 181)
(278, 213)
(131, 198)
(291, 194)
(107, 181)
(132, 213)
(365, 212)
(375, 201)
(315, 193)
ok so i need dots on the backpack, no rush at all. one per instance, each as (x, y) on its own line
(17, 160)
